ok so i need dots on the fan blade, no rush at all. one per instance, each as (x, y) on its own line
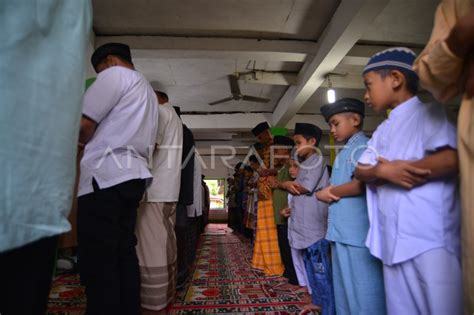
(222, 101)
(234, 85)
(255, 99)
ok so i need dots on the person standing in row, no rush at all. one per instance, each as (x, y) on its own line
(412, 197)
(308, 224)
(118, 129)
(186, 197)
(42, 46)
(447, 60)
(266, 252)
(357, 275)
(156, 247)
(282, 147)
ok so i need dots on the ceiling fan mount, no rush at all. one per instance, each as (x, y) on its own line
(236, 95)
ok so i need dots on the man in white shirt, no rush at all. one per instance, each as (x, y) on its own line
(156, 247)
(118, 128)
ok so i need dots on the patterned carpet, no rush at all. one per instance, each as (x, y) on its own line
(67, 296)
(223, 282)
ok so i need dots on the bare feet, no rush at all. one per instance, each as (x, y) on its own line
(286, 287)
(301, 290)
(306, 298)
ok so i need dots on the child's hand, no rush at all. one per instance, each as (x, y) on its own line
(263, 172)
(272, 182)
(401, 173)
(326, 196)
(292, 187)
(286, 212)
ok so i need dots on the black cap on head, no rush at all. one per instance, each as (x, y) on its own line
(117, 49)
(309, 130)
(283, 141)
(261, 127)
(343, 105)
(238, 166)
(162, 94)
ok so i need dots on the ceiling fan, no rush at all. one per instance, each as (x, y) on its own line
(236, 95)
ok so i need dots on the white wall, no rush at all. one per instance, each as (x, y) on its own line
(219, 170)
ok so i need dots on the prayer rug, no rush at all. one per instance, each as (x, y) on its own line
(67, 296)
(223, 282)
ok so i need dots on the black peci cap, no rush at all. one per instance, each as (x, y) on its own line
(343, 105)
(261, 127)
(283, 141)
(308, 130)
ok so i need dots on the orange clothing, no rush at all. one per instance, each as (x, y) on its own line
(266, 251)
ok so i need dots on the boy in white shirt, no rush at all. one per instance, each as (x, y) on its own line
(410, 169)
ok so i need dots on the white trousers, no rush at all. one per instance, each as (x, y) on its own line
(428, 284)
(298, 263)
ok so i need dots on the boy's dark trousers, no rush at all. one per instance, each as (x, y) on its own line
(285, 253)
(108, 263)
(181, 229)
(25, 277)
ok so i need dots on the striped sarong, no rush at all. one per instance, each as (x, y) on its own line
(266, 253)
(157, 252)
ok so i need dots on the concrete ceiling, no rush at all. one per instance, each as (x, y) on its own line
(190, 46)
(265, 19)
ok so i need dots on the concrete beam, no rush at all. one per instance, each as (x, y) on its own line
(366, 51)
(214, 136)
(224, 122)
(273, 78)
(349, 81)
(162, 47)
(209, 48)
(346, 27)
(354, 61)
(245, 122)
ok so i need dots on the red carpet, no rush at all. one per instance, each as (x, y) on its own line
(67, 296)
(223, 283)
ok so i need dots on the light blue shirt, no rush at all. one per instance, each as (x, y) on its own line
(308, 219)
(348, 222)
(406, 223)
(42, 47)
